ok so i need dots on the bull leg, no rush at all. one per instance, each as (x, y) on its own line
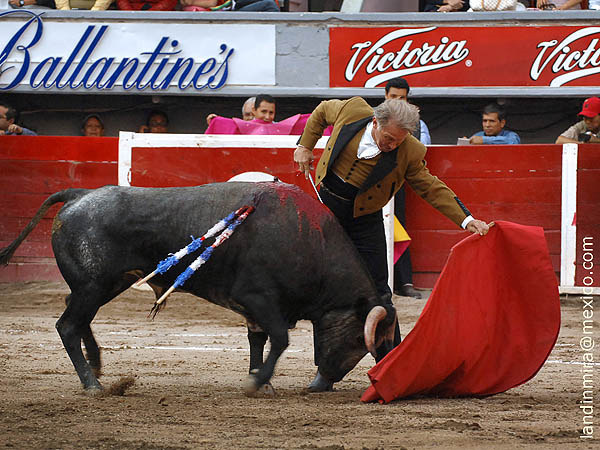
(92, 351)
(257, 340)
(91, 347)
(74, 327)
(273, 326)
(71, 327)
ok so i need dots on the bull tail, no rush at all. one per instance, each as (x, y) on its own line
(58, 197)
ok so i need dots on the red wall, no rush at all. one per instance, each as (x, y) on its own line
(516, 183)
(32, 168)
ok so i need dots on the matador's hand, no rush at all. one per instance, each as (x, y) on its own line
(478, 226)
(303, 157)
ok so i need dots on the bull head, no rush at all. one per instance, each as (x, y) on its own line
(343, 337)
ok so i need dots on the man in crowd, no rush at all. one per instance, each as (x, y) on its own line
(493, 122)
(403, 283)
(156, 122)
(586, 130)
(399, 88)
(247, 114)
(92, 126)
(264, 108)
(247, 109)
(8, 122)
(367, 159)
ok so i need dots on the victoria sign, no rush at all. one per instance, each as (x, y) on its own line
(465, 56)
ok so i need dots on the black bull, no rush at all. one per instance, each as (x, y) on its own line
(289, 260)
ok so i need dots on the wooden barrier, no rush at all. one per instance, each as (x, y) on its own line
(516, 183)
(32, 168)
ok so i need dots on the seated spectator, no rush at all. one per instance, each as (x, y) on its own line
(228, 5)
(246, 111)
(264, 108)
(558, 5)
(8, 122)
(586, 130)
(92, 126)
(94, 5)
(445, 5)
(493, 122)
(32, 4)
(147, 5)
(157, 122)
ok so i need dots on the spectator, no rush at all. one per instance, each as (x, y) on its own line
(8, 122)
(445, 5)
(399, 88)
(264, 108)
(558, 5)
(403, 284)
(586, 130)
(147, 5)
(246, 111)
(94, 5)
(157, 122)
(33, 4)
(493, 122)
(92, 125)
(228, 5)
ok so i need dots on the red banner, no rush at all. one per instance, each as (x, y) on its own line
(465, 56)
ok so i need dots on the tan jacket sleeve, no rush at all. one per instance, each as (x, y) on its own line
(62, 4)
(324, 115)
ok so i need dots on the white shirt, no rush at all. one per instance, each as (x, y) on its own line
(367, 148)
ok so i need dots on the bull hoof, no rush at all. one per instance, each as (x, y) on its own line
(320, 384)
(93, 391)
(266, 390)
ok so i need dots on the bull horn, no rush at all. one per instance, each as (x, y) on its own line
(376, 315)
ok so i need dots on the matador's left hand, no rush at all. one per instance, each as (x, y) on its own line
(478, 226)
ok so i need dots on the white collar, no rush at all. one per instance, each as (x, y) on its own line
(367, 148)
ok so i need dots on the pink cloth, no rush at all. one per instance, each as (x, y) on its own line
(291, 126)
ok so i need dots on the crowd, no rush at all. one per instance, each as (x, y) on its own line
(150, 5)
(275, 6)
(260, 110)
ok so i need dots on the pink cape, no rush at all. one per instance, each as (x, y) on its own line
(489, 324)
(291, 126)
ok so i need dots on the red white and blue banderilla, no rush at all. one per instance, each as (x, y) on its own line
(226, 226)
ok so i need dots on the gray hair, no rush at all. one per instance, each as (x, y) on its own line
(251, 100)
(397, 112)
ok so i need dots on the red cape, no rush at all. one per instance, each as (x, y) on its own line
(489, 324)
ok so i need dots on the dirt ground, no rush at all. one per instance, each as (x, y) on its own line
(190, 365)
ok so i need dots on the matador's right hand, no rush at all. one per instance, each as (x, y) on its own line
(303, 157)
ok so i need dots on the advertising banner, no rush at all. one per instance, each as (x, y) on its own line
(529, 56)
(136, 56)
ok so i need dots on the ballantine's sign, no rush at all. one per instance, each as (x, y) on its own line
(138, 56)
(465, 56)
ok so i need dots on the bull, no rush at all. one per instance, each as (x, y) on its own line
(289, 260)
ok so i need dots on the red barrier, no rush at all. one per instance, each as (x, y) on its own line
(518, 183)
(588, 215)
(514, 183)
(33, 167)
